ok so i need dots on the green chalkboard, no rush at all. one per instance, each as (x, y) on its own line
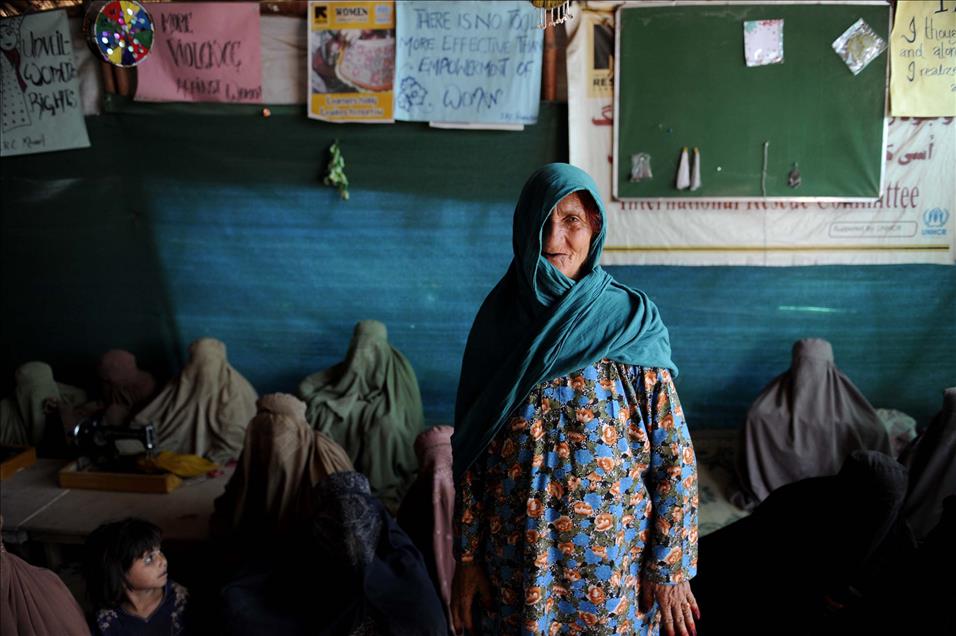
(682, 81)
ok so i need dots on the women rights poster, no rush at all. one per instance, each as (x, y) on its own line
(41, 108)
(351, 61)
(203, 52)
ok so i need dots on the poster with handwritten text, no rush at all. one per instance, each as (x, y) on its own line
(468, 62)
(203, 52)
(923, 59)
(41, 108)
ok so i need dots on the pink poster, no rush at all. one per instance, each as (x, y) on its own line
(204, 52)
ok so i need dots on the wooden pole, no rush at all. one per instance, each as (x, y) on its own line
(549, 66)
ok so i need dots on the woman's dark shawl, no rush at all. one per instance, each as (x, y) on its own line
(933, 469)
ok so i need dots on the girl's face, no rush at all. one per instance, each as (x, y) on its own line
(148, 571)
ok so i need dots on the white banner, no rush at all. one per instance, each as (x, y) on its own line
(913, 222)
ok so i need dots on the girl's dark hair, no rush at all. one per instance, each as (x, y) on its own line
(111, 550)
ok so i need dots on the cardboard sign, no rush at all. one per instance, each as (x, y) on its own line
(41, 104)
(203, 52)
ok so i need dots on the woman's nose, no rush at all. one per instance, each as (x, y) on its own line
(551, 234)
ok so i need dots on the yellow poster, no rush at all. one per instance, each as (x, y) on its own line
(923, 59)
(351, 61)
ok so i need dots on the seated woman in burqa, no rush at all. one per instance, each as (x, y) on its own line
(125, 388)
(270, 495)
(932, 465)
(371, 406)
(205, 410)
(781, 569)
(912, 590)
(355, 572)
(38, 410)
(804, 424)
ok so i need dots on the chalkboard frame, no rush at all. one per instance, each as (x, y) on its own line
(667, 170)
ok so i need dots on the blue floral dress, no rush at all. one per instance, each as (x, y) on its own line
(588, 488)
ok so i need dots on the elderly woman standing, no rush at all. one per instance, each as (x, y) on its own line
(576, 478)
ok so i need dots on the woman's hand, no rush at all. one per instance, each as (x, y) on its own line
(678, 607)
(470, 579)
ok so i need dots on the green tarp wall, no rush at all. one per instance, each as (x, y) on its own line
(180, 222)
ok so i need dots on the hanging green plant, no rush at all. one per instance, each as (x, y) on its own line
(335, 173)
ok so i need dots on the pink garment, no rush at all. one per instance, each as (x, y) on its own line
(125, 387)
(35, 602)
(426, 512)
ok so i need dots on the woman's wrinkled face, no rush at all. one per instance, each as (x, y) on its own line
(566, 238)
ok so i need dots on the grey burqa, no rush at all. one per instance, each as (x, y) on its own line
(805, 423)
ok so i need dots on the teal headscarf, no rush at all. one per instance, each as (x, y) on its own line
(538, 324)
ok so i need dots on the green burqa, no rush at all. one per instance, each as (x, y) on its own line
(371, 406)
(537, 324)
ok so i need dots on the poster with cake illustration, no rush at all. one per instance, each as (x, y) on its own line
(351, 61)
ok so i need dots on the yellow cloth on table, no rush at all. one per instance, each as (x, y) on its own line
(179, 464)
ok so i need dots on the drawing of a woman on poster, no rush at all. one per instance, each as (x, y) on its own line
(14, 99)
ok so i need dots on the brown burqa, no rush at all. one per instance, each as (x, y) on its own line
(124, 386)
(35, 602)
(271, 491)
(205, 410)
(932, 466)
(805, 423)
(426, 512)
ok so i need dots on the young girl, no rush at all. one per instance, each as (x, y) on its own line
(128, 584)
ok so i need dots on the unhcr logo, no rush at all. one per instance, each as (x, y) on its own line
(936, 217)
(934, 222)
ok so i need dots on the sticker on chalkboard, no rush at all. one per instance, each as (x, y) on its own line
(858, 46)
(682, 181)
(763, 42)
(641, 167)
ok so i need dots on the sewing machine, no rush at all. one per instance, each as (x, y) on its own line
(98, 443)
